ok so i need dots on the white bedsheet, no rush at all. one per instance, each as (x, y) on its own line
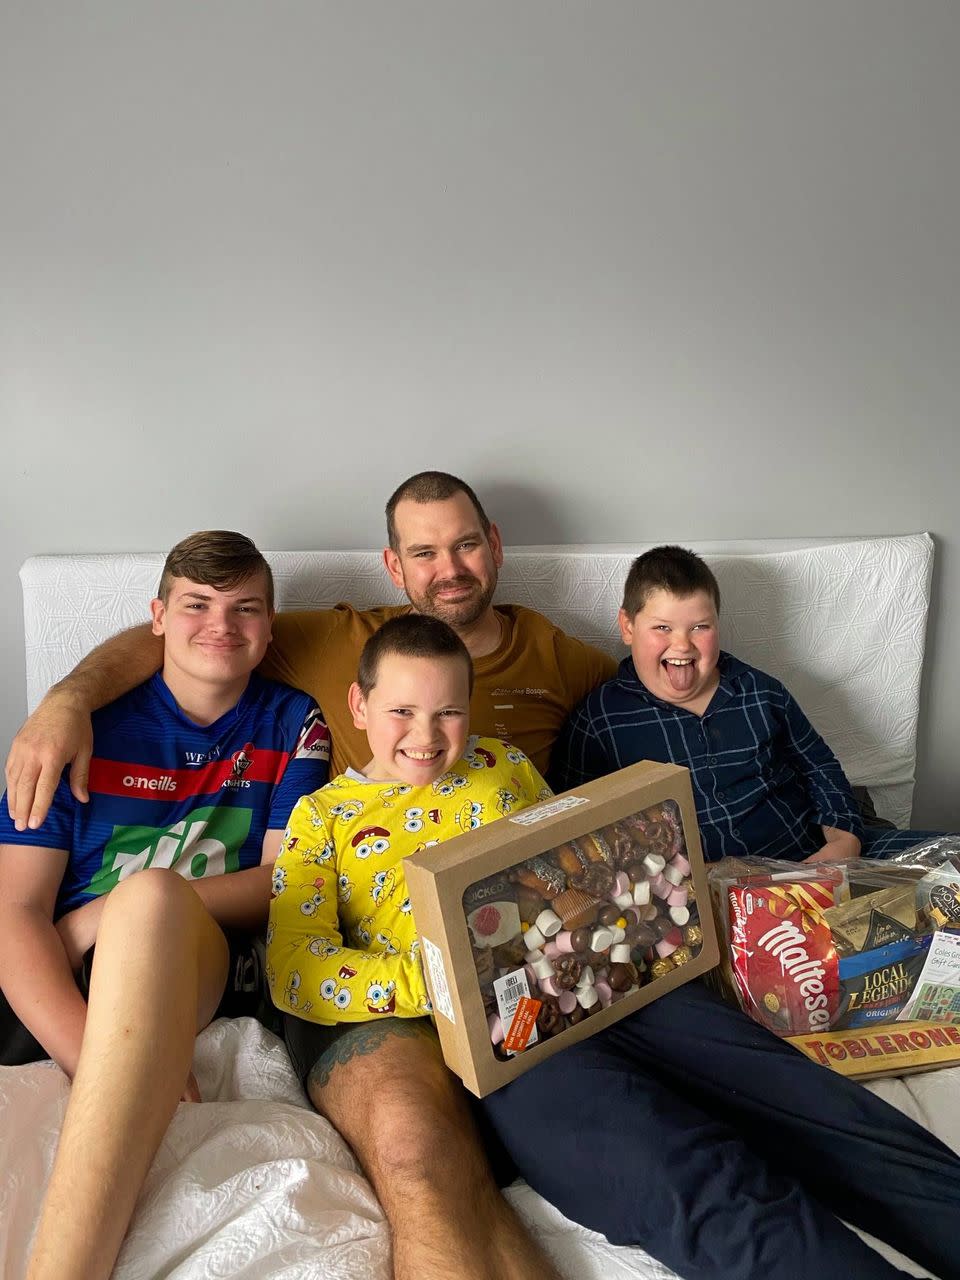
(264, 1187)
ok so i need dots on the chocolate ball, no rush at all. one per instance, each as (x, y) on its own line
(693, 935)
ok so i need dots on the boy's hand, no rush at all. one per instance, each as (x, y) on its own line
(78, 930)
(841, 846)
(58, 732)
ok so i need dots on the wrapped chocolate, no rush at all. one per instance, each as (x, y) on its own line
(874, 919)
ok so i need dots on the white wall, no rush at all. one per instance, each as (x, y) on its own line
(638, 270)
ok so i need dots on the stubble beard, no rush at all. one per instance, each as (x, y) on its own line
(456, 613)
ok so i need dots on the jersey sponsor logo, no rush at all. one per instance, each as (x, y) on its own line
(194, 759)
(206, 842)
(116, 778)
(139, 783)
(314, 740)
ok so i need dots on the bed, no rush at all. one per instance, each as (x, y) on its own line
(251, 1183)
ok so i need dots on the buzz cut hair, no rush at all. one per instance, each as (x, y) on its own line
(430, 486)
(216, 558)
(673, 569)
(411, 635)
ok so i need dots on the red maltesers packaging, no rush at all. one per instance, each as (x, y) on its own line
(782, 954)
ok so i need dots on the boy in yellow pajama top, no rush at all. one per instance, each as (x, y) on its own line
(342, 943)
(343, 957)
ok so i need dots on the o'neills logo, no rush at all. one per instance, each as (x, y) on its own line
(789, 945)
(164, 783)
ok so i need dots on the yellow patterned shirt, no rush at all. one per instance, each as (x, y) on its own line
(341, 944)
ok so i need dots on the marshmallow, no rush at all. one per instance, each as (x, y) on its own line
(654, 863)
(601, 939)
(665, 948)
(587, 997)
(679, 915)
(549, 923)
(673, 873)
(543, 968)
(620, 953)
(533, 938)
(641, 893)
(620, 885)
(495, 1027)
(567, 1001)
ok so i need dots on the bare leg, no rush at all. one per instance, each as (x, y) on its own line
(384, 1086)
(158, 972)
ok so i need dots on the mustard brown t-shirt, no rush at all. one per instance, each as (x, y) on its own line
(523, 691)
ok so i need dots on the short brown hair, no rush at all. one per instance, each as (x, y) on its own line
(673, 569)
(216, 558)
(412, 635)
(430, 486)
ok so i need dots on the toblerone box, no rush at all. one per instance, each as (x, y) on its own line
(898, 1048)
(439, 877)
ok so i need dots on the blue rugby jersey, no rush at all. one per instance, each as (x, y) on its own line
(764, 781)
(165, 792)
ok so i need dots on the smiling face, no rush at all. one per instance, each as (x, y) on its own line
(416, 716)
(212, 639)
(675, 644)
(445, 562)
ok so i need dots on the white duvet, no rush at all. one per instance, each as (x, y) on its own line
(253, 1184)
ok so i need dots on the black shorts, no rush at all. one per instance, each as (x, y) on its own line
(245, 995)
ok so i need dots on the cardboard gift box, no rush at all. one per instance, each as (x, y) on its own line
(550, 924)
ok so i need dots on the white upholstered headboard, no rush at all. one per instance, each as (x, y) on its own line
(841, 622)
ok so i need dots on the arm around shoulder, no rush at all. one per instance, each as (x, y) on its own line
(59, 733)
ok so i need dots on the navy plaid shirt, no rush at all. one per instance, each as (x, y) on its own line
(764, 781)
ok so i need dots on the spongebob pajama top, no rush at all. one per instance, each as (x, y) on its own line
(341, 944)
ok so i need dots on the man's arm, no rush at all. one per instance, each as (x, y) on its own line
(58, 733)
(34, 971)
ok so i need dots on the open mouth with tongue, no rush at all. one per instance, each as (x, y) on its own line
(681, 673)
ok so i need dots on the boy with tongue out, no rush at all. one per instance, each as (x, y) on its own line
(764, 781)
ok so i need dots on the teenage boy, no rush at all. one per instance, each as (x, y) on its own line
(444, 552)
(764, 781)
(698, 1134)
(192, 778)
(343, 958)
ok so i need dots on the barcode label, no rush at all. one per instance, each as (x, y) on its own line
(510, 990)
(529, 816)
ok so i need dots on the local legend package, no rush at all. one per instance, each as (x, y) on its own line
(815, 950)
(552, 923)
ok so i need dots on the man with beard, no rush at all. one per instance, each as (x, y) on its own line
(444, 553)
